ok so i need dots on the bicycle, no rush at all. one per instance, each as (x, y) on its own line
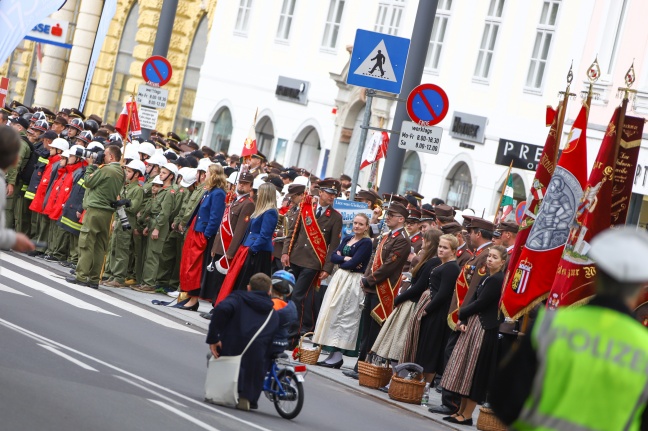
(284, 386)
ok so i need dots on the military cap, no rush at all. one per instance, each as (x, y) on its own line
(74, 112)
(368, 195)
(15, 103)
(295, 189)
(61, 120)
(7, 109)
(50, 134)
(412, 200)
(414, 193)
(173, 137)
(480, 223)
(466, 220)
(49, 114)
(276, 181)
(414, 215)
(275, 171)
(96, 118)
(288, 173)
(22, 121)
(208, 151)
(451, 228)
(427, 215)
(246, 177)
(330, 185)
(628, 266)
(508, 226)
(398, 208)
(190, 143)
(389, 197)
(444, 210)
(174, 146)
(64, 111)
(260, 156)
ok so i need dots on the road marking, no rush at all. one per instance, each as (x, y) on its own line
(4, 288)
(144, 388)
(139, 311)
(31, 334)
(185, 416)
(68, 357)
(54, 293)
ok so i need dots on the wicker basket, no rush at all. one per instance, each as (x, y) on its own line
(407, 391)
(373, 376)
(308, 356)
(487, 421)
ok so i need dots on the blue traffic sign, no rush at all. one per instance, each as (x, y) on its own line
(157, 71)
(378, 61)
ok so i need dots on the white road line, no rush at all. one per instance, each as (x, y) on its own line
(127, 306)
(185, 416)
(144, 388)
(31, 334)
(54, 293)
(68, 357)
(4, 288)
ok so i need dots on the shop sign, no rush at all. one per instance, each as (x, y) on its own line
(50, 31)
(292, 90)
(523, 155)
(468, 127)
(640, 184)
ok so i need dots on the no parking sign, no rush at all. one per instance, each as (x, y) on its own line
(427, 104)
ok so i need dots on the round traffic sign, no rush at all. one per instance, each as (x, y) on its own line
(427, 104)
(156, 71)
(519, 212)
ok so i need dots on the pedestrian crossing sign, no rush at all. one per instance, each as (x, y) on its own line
(378, 61)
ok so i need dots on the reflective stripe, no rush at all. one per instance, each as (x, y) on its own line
(540, 420)
(43, 160)
(24, 188)
(81, 182)
(30, 195)
(74, 225)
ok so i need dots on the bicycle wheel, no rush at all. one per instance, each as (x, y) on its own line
(289, 405)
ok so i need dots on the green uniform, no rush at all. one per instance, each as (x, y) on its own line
(139, 242)
(170, 261)
(22, 215)
(122, 247)
(102, 188)
(12, 180)
(192, 204)
(158, 217)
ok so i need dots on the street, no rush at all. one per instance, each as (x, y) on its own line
(77, 358)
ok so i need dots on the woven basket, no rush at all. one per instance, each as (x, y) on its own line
(487, 421)
(407, 391)
(373, 376)
(308, 356)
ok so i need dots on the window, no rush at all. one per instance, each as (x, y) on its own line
(411, 177)
(542, 44)
(389, 16)
(243, 17)
(221, 131)
(610, 45)
(459, 186)
(285, 19)
(332, 28)
(438, 35)
(489, 37)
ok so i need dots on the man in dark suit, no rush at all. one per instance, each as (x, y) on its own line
(312, 239)
(382, 278)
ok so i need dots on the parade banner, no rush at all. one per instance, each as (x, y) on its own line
(349, 209)
(375, 149)
(250, 144)
(574, 280)
(626, 166)
(531, 279)
(545, 170)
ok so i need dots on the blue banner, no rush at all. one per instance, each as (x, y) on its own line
(349, 209)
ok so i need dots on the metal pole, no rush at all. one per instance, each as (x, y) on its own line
(361, 145)
(421, 33)
(163, 38)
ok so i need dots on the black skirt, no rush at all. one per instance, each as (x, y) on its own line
(486, 366)
(206, 276)
(254, 263)
(211, 282)
(433, 337)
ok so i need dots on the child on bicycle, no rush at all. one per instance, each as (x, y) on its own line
(283, 283)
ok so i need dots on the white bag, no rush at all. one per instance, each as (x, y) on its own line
(221, 385)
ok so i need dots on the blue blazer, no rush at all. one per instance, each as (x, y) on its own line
(210, 212)
(360, 254)
(260, 232)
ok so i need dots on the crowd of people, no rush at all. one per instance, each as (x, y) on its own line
(412, 282)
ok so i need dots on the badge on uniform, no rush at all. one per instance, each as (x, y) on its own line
(482, 271)
(309, 221)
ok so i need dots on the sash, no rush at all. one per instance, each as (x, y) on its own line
(461, 290)
(313, 231)
(385, 291)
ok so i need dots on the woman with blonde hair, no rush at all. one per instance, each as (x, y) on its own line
(255, 254)
(203, 226)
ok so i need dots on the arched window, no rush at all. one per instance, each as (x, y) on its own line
(221, 130)
(118, 90)
(411, 176)
(265, 135)
(306, 150)
(459, 186)
(183, 124)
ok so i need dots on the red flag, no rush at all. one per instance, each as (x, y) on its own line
(626, 167)
(250, 145)
(124, 124)
(375, 149)
(574, 281)
(531, 278)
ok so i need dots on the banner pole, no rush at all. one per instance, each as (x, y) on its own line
(499, 205)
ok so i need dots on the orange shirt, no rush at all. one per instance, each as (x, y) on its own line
(278, 303)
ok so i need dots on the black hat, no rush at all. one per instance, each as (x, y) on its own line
(74, 112)
(50, 134)
(330, 185)
(412, 200)
(50, 115)
(208, 151)
(173, 137)
(389, 197)
(22, 121)
(276, 181)
(197, 154)
(414, 193)
(289, 173)
(414, 215)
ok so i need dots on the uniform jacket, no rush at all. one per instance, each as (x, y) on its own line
(463, 255)
(103, 184)
(69, 220)
(160, 210)
(23, 157)
(485, 302)
(47, 177)
(395, 252)
(181, 195)
(191, 206)
(61, 190)
(7, 236)
(39, 168)
(417, 241)
(210, 212)
(302, 254)
(283, 229)
(239, 214)
(134, 192)
(475, 270)
(261, 229)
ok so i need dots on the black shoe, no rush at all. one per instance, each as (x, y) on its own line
(73, 280)
(454, 420)
(73, 271)
(207, 316)
(351, 373)
(51, 258)
(254, 406)
(181, 306)
(335, 365)
(438, 389)
(384, 389)
(34, 253)
(65, 264)
(42, 256)
(442, 410)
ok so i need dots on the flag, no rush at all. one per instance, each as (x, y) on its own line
(531, 278)
(626, 167)
(375, 149)
(250, 145)
(506, 207)
(124, 124)
(574, 280)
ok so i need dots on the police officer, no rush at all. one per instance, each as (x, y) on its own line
(103, 184)
(584, 368)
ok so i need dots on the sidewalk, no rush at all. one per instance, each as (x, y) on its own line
(194, 319)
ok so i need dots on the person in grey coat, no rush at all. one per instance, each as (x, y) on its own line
(9, 148)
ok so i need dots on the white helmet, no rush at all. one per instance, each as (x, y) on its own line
(189, 176)
(131, 152)
(157, 181)
(156, 159)
(204, 164)
(257, 183)
(73, 149)
(146, 148)
(60, 144)
(232, 178)
(94, 144)
(171, 168)
(65, 153)
(302, 180)
(137, 165)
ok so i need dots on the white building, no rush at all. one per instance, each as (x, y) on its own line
(501, 62)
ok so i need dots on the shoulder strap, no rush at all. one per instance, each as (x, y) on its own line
(258, 332)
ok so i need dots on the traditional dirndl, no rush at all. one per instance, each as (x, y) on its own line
(460, 371)
(192, 260)
(339, 316)
(411, 337)
(391, 342)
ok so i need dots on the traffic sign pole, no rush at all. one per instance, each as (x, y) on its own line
(363, 138)
(421, 34)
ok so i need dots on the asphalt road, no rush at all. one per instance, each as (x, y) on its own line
(81, 359)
